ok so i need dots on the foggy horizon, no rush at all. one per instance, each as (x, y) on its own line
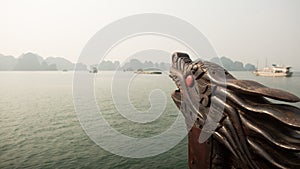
(250, 32)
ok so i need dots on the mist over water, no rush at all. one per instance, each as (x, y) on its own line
(39, 127)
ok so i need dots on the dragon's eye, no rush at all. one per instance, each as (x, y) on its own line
(195, 68)
(189, 80)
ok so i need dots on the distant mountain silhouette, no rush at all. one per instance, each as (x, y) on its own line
(80, 66)
(250, 67)
(108, 65)
(61, 63)
(135, 64)
(230, 65)
(64, 64)
(33, 62)
(7, 62)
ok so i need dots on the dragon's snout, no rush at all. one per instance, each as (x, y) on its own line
(180, 59)
(178, 71)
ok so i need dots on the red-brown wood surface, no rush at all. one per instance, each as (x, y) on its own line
(199, 154)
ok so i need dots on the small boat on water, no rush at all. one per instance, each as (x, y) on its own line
(275, 71)
(148, 71)
(93, 70)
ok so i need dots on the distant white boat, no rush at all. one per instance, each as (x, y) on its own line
(274, 71)
(93, 70)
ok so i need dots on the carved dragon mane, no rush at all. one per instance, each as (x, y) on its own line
(247, 130)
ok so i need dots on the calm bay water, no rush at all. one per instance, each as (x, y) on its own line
(39, 127)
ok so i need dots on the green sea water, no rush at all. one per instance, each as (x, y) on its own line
(39, 127)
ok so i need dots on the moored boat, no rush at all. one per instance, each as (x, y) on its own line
(275, 71)
(93, 70)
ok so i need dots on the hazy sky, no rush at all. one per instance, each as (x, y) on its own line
(249, 31)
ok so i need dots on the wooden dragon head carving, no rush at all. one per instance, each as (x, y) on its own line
(247, 130)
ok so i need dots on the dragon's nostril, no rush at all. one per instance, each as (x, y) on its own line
(189, 80)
